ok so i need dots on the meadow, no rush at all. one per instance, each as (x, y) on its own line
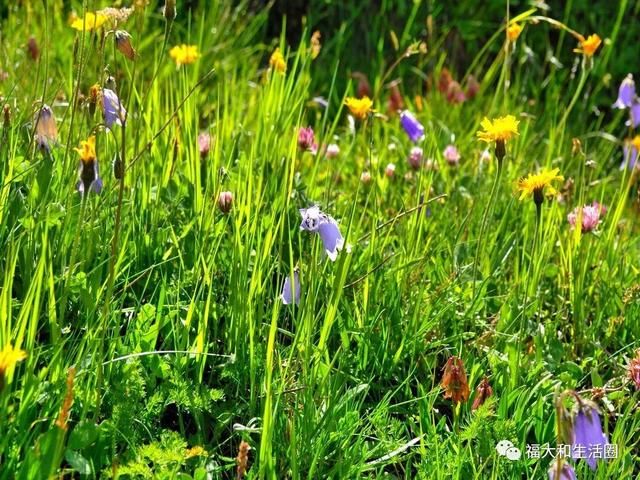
(374, 240)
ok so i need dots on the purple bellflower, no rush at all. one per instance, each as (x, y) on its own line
(412, 126)
(626, 93)
(587, 435)
(112, 108)
(291, 289)
(314, 220)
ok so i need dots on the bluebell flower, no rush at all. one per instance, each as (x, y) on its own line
(634, 114)
(626, 93)
(587, 434)
(561, 471)
(412, 126)
(291, 289)
(314, 220)
(112, 109)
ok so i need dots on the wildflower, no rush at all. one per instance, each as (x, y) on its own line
(415, 158)
(359, 107)
(123, 43)
(626, 93)
(587, 432)
(9, 357)
(90, 21)
(196, 451)
(513, 31)
(277, 61)
(316, 221)
(225, 201)
(307, 140)
(365, 177)
(499, 131)
(451, 155)
(634, 370)
(364, 88)
(46, 129)
(589, 45)
(538, 184)
(315, 44)
(412, 126)
(455, 94)
(63, 417)
(631, 149)
(561, 470)
(184, 54)
(454, 380)
(112, 109)
(242, 459)
(291, 295)
(634, 114)
(395, 102)
(204, 144)
(444, 80)
(588, 216)
(390, 170)
(473, 87)
(483, 391)
(333, 150)
(169, 10)
(33, 48)
(89, 175)
(116, 15)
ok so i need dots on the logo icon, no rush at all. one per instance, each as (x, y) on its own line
(506, 449)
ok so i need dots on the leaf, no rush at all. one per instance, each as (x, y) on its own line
(83, 435)
(78, 462)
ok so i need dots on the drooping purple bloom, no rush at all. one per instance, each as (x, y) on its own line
(291, 290)
(630, 153)
(634, 114)
(626, 93)
(112, 108)
(314, 220)
(561, 472)
(587, 436)
(89, 178)
(412, 126)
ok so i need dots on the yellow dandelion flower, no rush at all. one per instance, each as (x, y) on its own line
(539, 184)
(589, 45)
(184, 54)
(513, 31)
(277, 61)
(91, 21)
(359, 107)
(87, 150)
(503, 129)
(9, 357)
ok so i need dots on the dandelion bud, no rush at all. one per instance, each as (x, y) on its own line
(483, 392)
(169, 10)
(390, 170)
(6, 112)
(46, 128)
(501, 150)
(454, 380)
(33, 49)
(225, 202)
(123, 43)
(365, 177)
(118, 167)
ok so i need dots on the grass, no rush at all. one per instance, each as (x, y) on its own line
(155, 336)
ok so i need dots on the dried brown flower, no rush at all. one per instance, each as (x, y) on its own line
(242, 460)
(454, 380)
(483, 391)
